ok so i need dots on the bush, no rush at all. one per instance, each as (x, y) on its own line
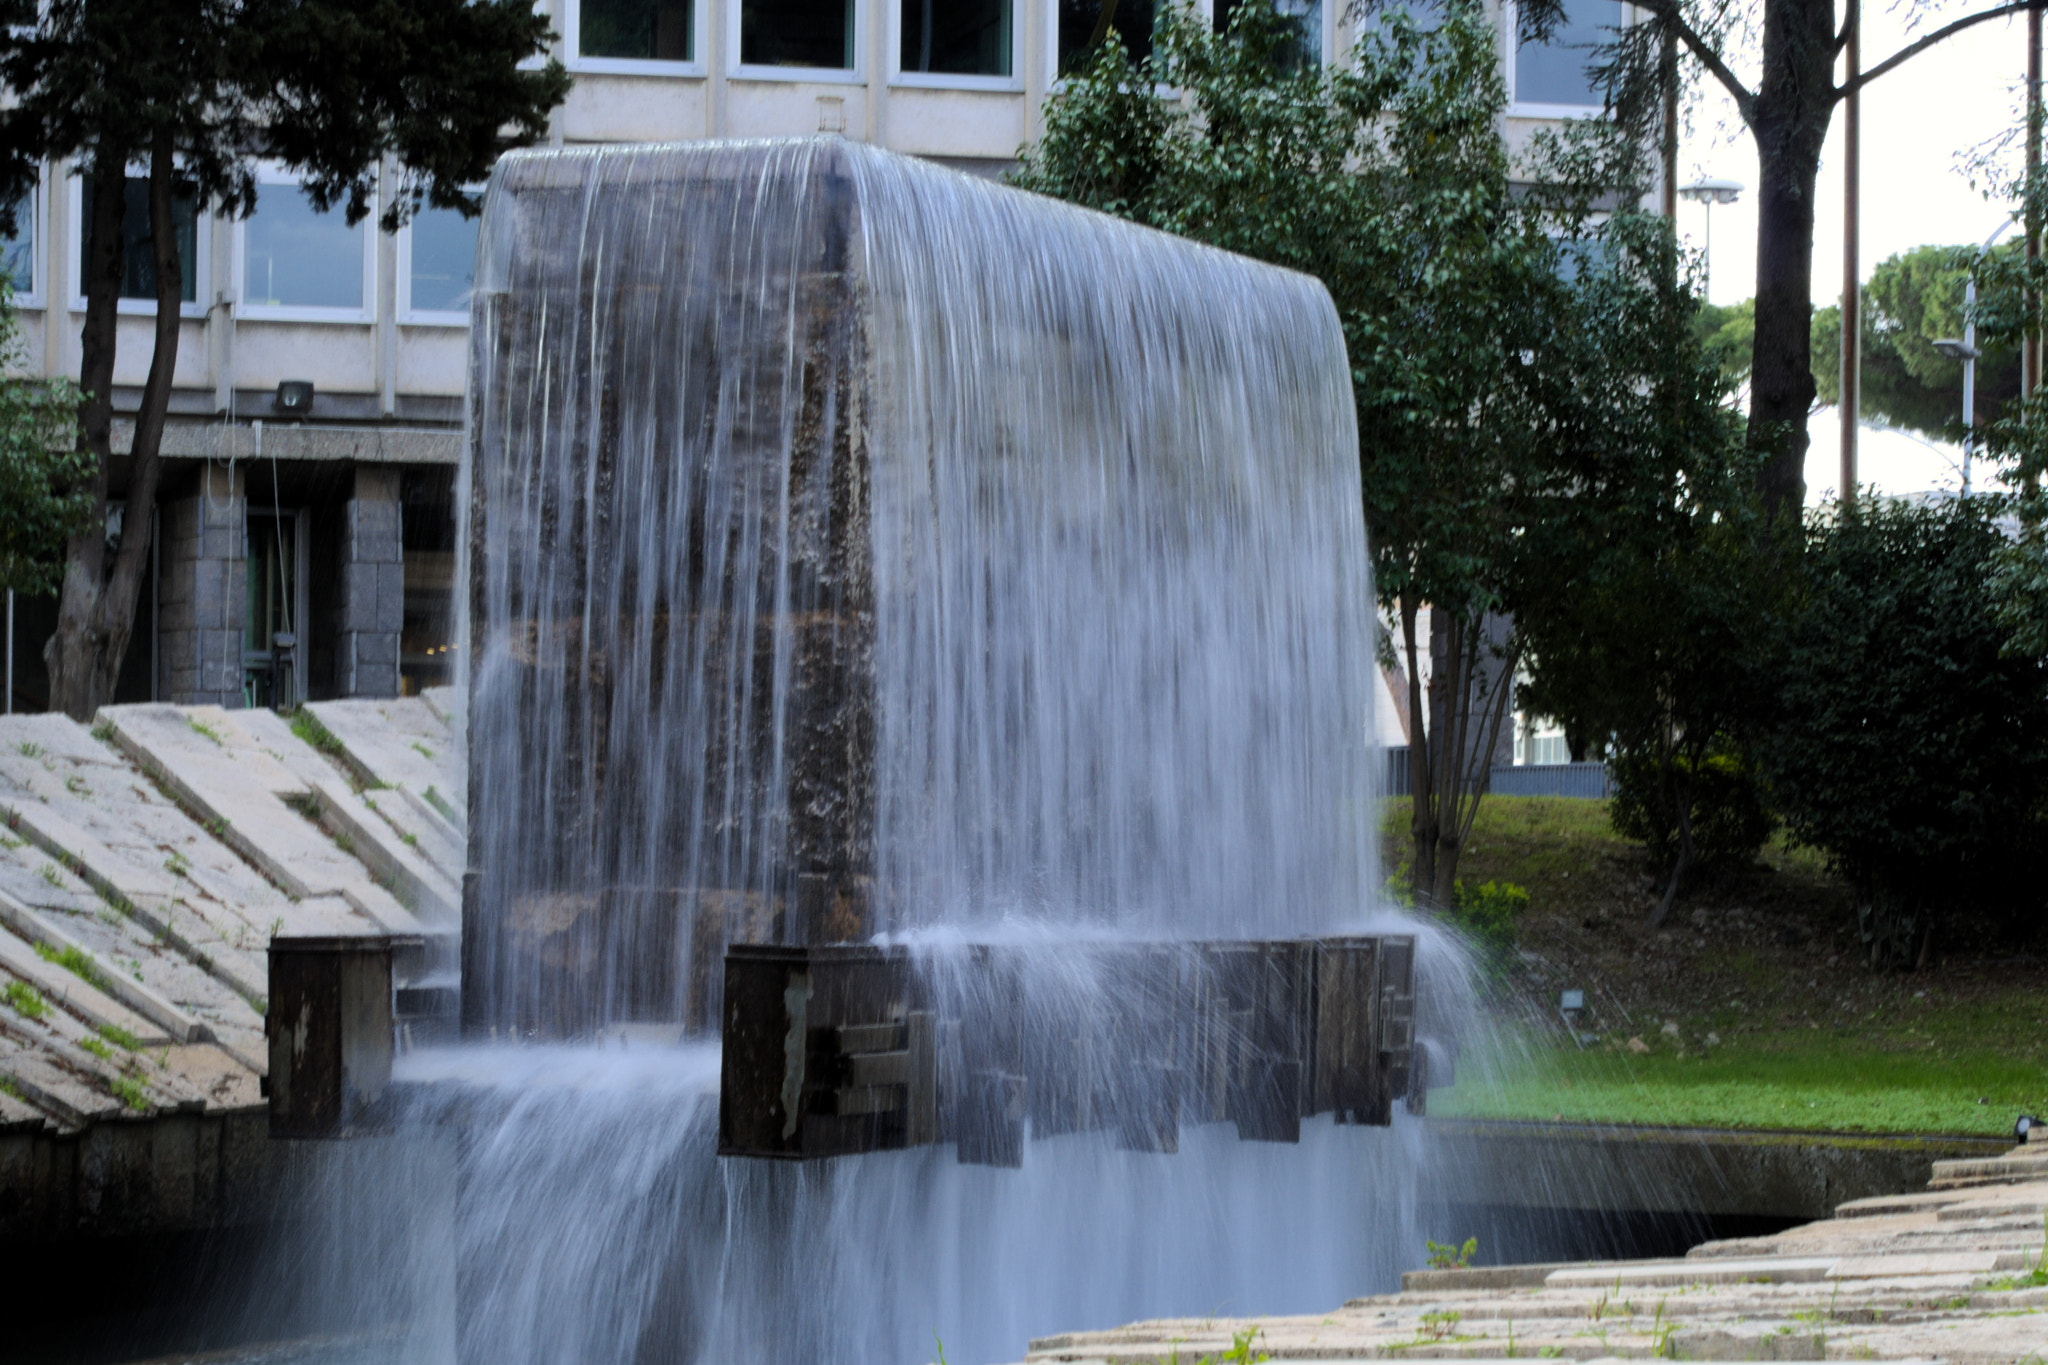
(1907, 741)
(1729, 819)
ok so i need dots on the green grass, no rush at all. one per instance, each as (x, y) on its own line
(25, 999)
(130, 1092)
(307, 727)
(1820, 1081)
(1762, 958)
(75, 960)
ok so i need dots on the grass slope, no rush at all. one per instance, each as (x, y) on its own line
(1752, 1007)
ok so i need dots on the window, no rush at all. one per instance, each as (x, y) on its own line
(439, 266)
(18, 249)
(1133, 22)
(1303, 20)
(957, 37)
(813, 33)
(299, 262)
(637, 30)
(138, 254)
(1554, 72)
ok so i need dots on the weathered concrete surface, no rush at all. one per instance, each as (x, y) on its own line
(1617, 1168)
(1946, 1275)
(145, 864)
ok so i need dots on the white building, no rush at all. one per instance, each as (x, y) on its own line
(316, 417)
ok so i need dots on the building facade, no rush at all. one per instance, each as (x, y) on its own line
(304, 538)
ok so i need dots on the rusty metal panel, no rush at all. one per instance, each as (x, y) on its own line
(1346, 1033)
(330, 1032)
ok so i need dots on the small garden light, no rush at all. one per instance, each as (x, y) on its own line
(2023, 1129)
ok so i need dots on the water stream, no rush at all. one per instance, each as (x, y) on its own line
(860, 550)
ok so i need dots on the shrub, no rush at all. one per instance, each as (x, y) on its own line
(1908, 741)
(1730, 822)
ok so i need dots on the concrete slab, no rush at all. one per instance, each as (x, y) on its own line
(212, 766)
(1837, 1289)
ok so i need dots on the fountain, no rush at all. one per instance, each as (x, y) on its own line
(921, 640)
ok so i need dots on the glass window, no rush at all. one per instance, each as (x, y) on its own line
(138, 256)
(295, 257)
(18, 249)
(957, 37)
(652, 30)
(1554, 72)
(1303, 20)
(1133, 21)
(443, 261)
(797, 33)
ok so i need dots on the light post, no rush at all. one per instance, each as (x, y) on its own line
(1711, 192)
(1966, 351)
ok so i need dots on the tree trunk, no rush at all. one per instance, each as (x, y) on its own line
(96, 613)
(1682, 802)
(1793, 107)
(1422, 791)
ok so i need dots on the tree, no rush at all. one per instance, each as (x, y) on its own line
(1508, 343)
(194, 91)
(1786, 114)
(1912, 300)
(41, 503)
(1908, 740)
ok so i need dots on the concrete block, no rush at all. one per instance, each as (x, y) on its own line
(391, 597)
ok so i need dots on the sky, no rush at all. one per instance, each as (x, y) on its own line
(1920, 122)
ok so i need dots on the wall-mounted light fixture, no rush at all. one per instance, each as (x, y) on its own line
(295, 397)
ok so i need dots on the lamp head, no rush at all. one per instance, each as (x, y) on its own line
(1712, 191)
(1957, 350)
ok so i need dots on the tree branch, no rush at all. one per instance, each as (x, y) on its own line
(1915, 48)
(1667, 12)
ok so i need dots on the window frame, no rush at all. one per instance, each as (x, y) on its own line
(940, 80)
(1054, 82)
(409, 316)
(1511, 48)
(857, 74)
(575, 61)
(271, 174)
(202, 254)
(37, 295)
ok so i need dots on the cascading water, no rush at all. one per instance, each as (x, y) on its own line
(862, 551)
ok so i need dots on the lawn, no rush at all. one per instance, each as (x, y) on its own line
(1750, 1008)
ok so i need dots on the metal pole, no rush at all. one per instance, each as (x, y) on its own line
(10, 652)
(1969, 379)
(2030, 345)
(1852, 283)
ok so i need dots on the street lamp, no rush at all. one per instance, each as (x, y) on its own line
(1711, 192)
(1966, 351)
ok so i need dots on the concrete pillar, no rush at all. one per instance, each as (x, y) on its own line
(204, 597)
(372, 587)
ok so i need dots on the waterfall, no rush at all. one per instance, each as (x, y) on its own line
(861, 551)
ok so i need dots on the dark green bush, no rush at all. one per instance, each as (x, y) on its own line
(1730, 822)
(1908, 740)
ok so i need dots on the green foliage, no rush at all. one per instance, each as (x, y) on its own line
(1452, 1257)
(119, 1037)
(75, 960)
(1913, 299)
(1439, 1323)
(1729, 819)
(26, 1000)
(1529, 394)
(308, 728)
(1908, 741)
(1240, 1352)
(43, 477)
(130, 1091)
(1726, 333)
(1490, 915)
(97, 1048)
